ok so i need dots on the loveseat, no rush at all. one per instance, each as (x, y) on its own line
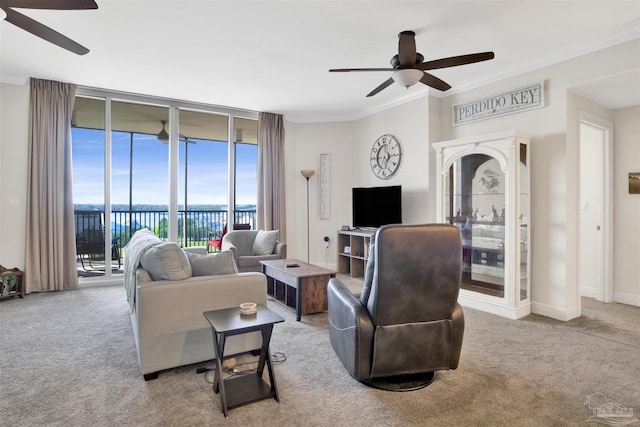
(169, 288)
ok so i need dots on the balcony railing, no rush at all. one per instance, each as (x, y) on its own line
(90, 225)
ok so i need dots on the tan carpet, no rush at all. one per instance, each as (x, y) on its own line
(69, 359)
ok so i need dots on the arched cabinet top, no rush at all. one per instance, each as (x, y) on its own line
(495, 145)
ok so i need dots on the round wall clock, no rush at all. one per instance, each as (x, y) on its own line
(386, 155)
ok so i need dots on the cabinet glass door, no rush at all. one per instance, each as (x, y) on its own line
(475, 198)
(523, 220)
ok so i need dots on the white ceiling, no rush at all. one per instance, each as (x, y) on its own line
(275, 55)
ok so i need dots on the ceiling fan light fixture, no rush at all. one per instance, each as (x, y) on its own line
(407, 77)
(163, 136)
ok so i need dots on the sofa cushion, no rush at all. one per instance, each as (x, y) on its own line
(212, 264)
(265, 242)
(166, 261)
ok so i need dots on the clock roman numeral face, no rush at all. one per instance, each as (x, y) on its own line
(386, 155)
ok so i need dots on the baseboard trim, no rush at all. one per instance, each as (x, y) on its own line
(587, 292)
(491, 305)
(628, 299)
(554, 312)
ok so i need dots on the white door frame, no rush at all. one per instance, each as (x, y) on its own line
(604, 244)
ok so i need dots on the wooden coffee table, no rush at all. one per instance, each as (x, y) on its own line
(302, 288)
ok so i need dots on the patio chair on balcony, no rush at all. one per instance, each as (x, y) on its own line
(93, 251)
(216, 244)
(90, 240)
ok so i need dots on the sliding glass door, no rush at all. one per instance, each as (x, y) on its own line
(203, 176)
(134, 167)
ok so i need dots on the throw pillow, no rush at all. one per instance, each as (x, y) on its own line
(212, 264)
(166, 261)
(265, 242)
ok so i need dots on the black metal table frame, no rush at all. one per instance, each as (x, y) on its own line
(246, 388)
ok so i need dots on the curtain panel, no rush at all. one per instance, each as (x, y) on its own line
(271, 200)
(50, 261)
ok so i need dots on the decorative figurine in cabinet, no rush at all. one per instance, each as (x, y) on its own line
(483, 189)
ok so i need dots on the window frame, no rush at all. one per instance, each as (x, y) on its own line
(174, 106)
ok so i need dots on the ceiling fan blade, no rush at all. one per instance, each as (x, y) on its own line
(454, 61)
(434, 82)
(54, 5)
(384, 85)
(44, 32)
(345, 70)
(407, 49)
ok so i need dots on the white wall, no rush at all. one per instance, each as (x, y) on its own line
(410, 124)
(626, 251)
(349, 144)
(14, 126)
(303, 145)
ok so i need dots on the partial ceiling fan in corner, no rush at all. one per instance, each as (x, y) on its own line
(163, 135)
(408, 65)
(34, 27)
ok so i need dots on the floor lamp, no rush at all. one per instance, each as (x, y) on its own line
(307, 173)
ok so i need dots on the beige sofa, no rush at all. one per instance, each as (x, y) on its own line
(168, 325)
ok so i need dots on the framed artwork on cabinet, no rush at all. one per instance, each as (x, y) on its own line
(634, 182)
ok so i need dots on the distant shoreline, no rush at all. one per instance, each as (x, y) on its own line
(158, 208)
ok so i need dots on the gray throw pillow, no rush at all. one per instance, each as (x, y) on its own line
(212, 264)
(265, 242)
(166, 261)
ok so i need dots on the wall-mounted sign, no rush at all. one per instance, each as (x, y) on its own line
(324, 207)
(514, 101)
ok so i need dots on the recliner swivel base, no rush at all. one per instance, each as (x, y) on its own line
(401, 382)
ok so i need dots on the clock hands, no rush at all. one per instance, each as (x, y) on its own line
(385, 157)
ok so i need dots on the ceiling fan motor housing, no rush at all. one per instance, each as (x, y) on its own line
(395, 61)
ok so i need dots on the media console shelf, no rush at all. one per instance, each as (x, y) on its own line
(353, 252)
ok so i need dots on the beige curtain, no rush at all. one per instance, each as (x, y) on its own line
(50, 262)
(271, 201)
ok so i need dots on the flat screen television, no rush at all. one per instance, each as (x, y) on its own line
(374, 207)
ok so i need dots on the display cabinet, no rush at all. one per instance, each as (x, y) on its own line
(483, 189)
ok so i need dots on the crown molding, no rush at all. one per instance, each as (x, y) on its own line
(630, 31)
(623, 34)
(14, 80)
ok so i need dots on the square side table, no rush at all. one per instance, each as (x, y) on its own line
(251, 387)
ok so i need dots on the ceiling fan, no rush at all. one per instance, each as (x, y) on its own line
(408, 65)
(40, 30)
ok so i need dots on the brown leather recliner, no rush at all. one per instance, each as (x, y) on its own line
(406, 323)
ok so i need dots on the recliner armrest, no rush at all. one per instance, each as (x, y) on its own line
(350, 330)
(345, 308)
(232, 248)
(280, 249)
(457, 332)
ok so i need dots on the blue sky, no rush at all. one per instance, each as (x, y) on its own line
(207, 169)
